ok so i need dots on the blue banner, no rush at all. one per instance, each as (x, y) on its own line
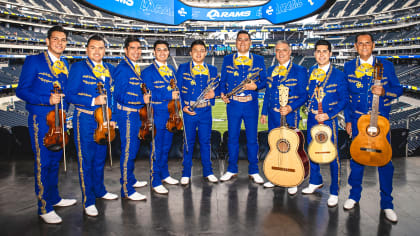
(174, 12)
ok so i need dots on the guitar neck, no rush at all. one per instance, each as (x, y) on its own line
(283, 121)
(320, 111)
(375, 108)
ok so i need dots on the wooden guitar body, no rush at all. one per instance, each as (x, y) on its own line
(371, 148)
(321, 150)
(286, 164)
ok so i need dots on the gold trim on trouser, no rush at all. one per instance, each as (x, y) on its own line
(79, 153)
(127, 154)
(38, 166)
(337, 159)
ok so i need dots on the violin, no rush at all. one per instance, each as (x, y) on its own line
(147, 129)
(104, 132)
(174, 122)
(56, 138)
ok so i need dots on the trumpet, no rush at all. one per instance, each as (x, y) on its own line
(240, 88)
(200, 99)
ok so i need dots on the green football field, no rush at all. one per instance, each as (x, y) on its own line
(220, 117)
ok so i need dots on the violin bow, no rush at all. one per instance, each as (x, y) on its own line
(62, 130)
(109, 132)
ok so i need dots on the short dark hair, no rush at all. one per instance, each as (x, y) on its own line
(323, 42)
(363, 33)
(95, 37)
(243, 32)
(130, 39)
(160, 42)
(198, 42)
(57, 28)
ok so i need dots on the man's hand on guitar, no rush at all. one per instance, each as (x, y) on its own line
(285, 110)
(263, 119)
(250, 86)
(322, 117)
(348, 128)
(378, 90)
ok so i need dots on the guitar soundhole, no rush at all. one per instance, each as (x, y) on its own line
(372, 131)
(283, 146)
(321, 137)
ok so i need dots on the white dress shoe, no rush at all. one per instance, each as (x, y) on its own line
(257, 178)
(227, 176)
(91, 210)
(391, 215)
(170, 180)
(292, 191)
(212, 179)
(65, 202)
(110, 196)
(137, 196)
(160, 189)
(332, 201)
(311, 188)
(51, 218)
(268, 184)
(349, 204)
(140, 184)
(185, 180)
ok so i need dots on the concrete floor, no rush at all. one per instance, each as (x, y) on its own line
(237, 207)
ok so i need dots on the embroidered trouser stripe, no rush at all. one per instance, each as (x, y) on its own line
(46, 165)
(236, 112)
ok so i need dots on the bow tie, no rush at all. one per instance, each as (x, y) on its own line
(165, 71)
(318, 74)
(199, 70)
(137, 69)
(243, 60)
(99, 71)
(364, 69)
(279, 70)
(59, 67)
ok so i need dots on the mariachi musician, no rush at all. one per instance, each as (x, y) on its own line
(237, 68)
(326, 78)
(158, 78)
(359, 72)
(129, 99)
(82, 92)
(194, 78)
(39, 75)
(295, 78)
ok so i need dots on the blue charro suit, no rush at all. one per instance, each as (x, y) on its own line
(81, 90)
(161, 95)
(35, 86)
(129, 99)
(192, 83)
(336, 98)
(244, 106)
(360, 104)
(296, 79)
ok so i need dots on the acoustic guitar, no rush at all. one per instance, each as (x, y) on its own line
(321, 149)
(286, 164)
(371, 147)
